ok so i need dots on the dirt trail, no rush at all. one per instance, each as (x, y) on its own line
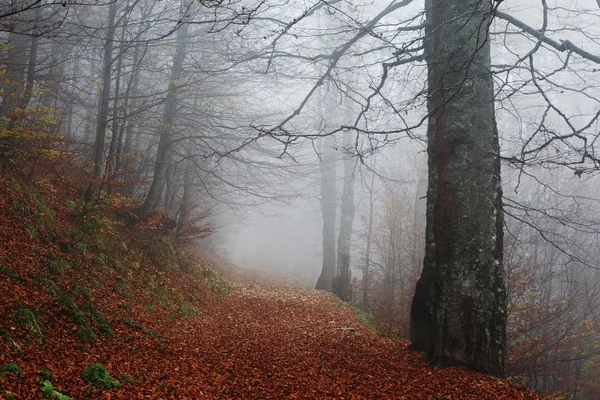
(259, 336)
(271, 338)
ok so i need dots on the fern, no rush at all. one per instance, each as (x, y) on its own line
(98, 374)
(49, 392)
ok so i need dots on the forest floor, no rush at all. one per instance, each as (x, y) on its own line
(79, 291)
(261, 336)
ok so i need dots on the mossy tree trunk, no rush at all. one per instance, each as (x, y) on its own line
(458, 315)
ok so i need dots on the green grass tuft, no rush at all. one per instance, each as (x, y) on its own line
(29, 318)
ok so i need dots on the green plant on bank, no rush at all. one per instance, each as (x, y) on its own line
(9, 395)
(129, 379)
(216, 282)
(33, 233)
(44, 216)
(9, 368)
(12, 368)
(50, 393)
(366, 318)
(9, 272)
(29, 318)
(186, 309)
(58, 266)
(98, 375)
(46, 374)
(83, 316)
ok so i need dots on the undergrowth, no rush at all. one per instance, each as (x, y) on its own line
(99, 376)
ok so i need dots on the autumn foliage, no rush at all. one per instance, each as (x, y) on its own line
(93, 306)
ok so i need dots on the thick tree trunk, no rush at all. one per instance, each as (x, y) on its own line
(327, 168)
(342, 283)
(458, 315)
(166, 130)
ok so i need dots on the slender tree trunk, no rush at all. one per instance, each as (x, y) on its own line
(129, 124)
(342, 283)
(185, 207)
(56, 72)
(166, 130)
(115, 137)
(458, 315)
(17, 56)
(367, 268)
(29, 82)
(104, 101)
(327, 168)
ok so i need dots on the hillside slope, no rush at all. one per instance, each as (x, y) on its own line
(166, 325)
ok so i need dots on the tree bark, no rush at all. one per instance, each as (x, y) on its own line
(185, 206)
(367, 267)
(17, 56)
(103, 102)
(166, 130)
(458, 314)
(342, 283)
(327, 168)
(29, 81)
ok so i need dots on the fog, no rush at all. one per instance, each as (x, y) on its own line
(298, 131)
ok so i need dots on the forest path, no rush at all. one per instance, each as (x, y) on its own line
(250, 335)
(271, 338)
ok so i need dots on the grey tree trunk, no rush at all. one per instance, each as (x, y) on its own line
(153, 197)
(367, 267)
(342, 283)
(16, 61)
(104, 101)
(29, 81)
(458, 314)
(327, 168)
(185, 206)
(56, 74)
(112, 150)
(129, 124)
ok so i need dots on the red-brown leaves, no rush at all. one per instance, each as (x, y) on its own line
(190, 335)
(256, 342)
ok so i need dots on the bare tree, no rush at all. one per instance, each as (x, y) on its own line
(166, 129)
(342, 283)
(458, 314)
(328, 210)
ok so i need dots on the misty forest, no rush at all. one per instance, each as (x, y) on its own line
(308, 199)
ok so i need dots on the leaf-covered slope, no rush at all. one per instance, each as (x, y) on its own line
(78, 292)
